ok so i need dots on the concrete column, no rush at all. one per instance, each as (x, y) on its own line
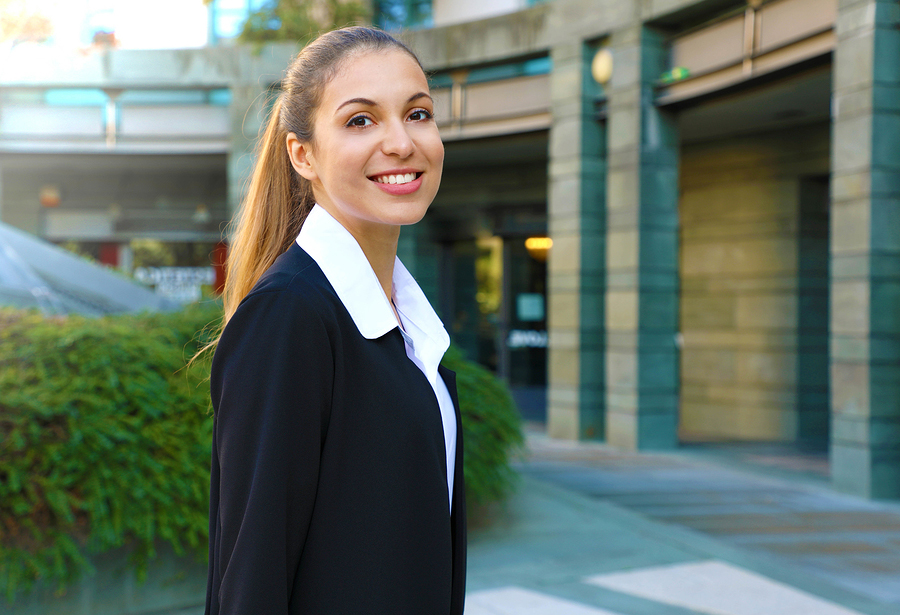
(576, 222)
(865, 250)
(248, 109)
(642, 250)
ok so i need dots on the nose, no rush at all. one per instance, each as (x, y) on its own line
(397, 140)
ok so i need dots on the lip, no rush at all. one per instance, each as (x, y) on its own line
(399, 189)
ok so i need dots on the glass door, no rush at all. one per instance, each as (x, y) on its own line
(523, 321)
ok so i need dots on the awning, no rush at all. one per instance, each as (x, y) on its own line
(37, 274)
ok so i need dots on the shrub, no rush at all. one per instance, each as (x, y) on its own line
(492, 430)
(105, 439)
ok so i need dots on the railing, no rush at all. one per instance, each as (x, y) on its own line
(763, 38)
(468, 110)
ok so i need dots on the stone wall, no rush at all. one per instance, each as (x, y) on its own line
(744, 274)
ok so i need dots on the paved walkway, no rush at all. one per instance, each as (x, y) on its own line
(592, 531)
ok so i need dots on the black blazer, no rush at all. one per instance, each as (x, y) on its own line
(329, 490)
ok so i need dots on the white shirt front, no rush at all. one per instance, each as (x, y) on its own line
(343, 262)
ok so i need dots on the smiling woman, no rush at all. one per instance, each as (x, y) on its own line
(337, 482)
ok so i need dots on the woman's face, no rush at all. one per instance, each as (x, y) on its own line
(376, 156)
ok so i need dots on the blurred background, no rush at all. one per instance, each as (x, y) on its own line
(666, 224)
(716, 180)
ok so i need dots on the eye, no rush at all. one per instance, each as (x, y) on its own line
(360, 121)
(420, 115)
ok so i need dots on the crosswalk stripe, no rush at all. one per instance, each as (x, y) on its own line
(717, 588)
(518, 601)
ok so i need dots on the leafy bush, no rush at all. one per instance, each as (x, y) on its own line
(492, 429)
(105, 439)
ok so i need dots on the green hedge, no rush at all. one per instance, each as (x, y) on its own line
(492, 430)
(105, 439)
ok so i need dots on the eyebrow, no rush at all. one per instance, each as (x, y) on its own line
(372, 103)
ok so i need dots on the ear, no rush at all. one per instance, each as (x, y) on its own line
(301, 157)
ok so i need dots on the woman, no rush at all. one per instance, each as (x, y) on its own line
(337, 482)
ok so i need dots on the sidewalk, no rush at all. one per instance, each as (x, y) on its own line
(592, 531)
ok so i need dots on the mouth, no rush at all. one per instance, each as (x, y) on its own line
(398, 178)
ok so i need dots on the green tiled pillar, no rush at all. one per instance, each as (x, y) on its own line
(865, 250)
(642, 251)
(576, 220)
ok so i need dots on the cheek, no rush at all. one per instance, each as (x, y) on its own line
(436, 150)
(437, 160)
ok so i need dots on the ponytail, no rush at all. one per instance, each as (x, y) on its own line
(277, 202)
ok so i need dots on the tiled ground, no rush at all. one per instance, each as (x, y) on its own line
(849, 542)
(696, 587)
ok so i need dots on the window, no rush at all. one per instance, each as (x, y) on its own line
(524, 68)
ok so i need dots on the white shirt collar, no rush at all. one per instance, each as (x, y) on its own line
(345, 265)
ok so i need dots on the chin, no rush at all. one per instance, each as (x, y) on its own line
(408, 212)
(410, 215)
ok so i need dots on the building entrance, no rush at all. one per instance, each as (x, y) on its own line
(489, 222)
(494, 302)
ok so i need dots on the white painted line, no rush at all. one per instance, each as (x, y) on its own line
(717, 588)
(518, 601)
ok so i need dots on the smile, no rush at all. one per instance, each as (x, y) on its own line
(398, 184)
(405, 178)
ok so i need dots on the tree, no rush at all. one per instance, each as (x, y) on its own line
(20, 23)
(301, 20)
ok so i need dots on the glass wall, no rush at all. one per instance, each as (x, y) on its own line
(493, 301)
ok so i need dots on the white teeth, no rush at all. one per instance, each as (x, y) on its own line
(395, 179)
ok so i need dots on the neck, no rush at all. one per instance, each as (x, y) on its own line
(381, 251)
(378, 243)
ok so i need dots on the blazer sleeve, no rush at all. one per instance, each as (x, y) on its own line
(271, 387)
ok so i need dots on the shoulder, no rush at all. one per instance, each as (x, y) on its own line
(295, 284)
(294, 272)
(285, 332)
(292, 303)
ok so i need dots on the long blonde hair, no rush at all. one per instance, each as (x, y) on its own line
(276, 204)
(278, 199)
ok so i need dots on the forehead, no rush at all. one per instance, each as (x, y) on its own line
(370, 74)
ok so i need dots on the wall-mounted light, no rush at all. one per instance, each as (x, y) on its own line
(602, 66)
(49, 196)
(538, 247)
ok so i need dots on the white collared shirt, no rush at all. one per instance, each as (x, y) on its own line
(343, 262)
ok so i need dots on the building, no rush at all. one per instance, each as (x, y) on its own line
(718, 180)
